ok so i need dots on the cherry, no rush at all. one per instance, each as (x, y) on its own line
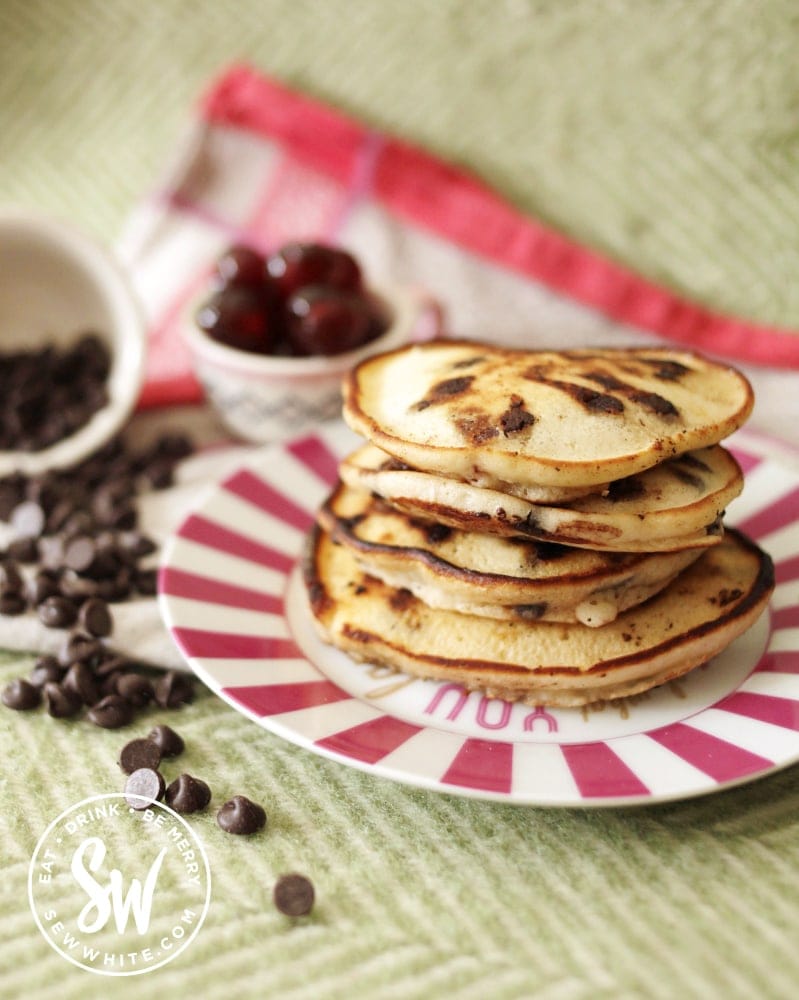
(321, 320)
(240, 317)
(296, 265)
(239, 265)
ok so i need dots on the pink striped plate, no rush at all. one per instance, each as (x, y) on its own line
(231, 596)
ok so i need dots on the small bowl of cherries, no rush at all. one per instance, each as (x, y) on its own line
(275, 334)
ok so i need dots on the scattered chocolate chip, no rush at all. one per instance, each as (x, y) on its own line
(146, 582)
(57, 612)
(136, 688)
(139, 754)
(111, 712)
(95, 617)
(173, 689)
(80, 679)
(61, 703)
(12, 604)
(294, 895)
(42, 586)
(80, 648)
(28, 519)
(46, 668)
(187, 794)
(21, 695)
(241, 816)
(170, 742)
(143, 787)
(11, 581)
(79, 553)
(24, 550)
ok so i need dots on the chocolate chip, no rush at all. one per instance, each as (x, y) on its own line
(173, 689)
(42, 586)
(12, 604)
(28, 519)
(80, 679)
(136, 688)
(11, 581)
(77, 587)
(143, 787)
(80, 648)
(241, 816)
(111, 712)
(139, 754)
(57, 612)
(21, 695)
(187, 794)
(79, 553)
(170, 742)
(24, 550)
(294, 895)
(146, 582)
(95, 617)
(62, 703)
(46, 668)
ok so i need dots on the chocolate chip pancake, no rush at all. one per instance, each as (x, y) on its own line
(707, 606)
(489, 575)
(674, 505)
(494, 416)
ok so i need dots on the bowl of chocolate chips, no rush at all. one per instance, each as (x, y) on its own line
(72, 345)
(273, 334)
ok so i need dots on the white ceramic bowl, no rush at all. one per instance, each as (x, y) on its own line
(56, 284)
(262, 398)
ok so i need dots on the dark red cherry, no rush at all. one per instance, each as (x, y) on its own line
(297, 265)
(239, 265)
(327, 321)
(240, 317)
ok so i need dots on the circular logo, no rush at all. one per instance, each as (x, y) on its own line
(116, 890)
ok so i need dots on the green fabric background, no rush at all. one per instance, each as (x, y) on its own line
(664, 133)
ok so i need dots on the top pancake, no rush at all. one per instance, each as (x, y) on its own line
(493, 416)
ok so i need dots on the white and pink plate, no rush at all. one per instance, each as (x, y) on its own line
(232, 598)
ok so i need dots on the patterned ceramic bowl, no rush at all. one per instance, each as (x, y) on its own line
(262, 398)
(56, 285)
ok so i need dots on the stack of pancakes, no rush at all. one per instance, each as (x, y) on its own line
(541, 526)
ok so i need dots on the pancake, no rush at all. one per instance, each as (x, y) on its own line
(492, 576)
(707, 606)
(675, 505)
(494, 416)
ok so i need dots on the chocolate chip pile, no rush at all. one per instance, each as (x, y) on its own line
(76, 550)
(49, 393)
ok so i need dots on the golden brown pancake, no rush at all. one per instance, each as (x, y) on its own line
(707, 606)
(494, 416)
(490, 575)
(674, 505)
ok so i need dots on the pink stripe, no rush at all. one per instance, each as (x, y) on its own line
(599, 772)
(232, 646)
(746, 460)
(199, 529)
(783, 662)
(315, 454)
(370, 741)
(782, 512)
(179, 583)
(766, 708)
(717, 758)
(275, 699)
(482, 764)
(254, 490)
(785, 617)
(361, 182)
(437, 196)
(787, 570)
